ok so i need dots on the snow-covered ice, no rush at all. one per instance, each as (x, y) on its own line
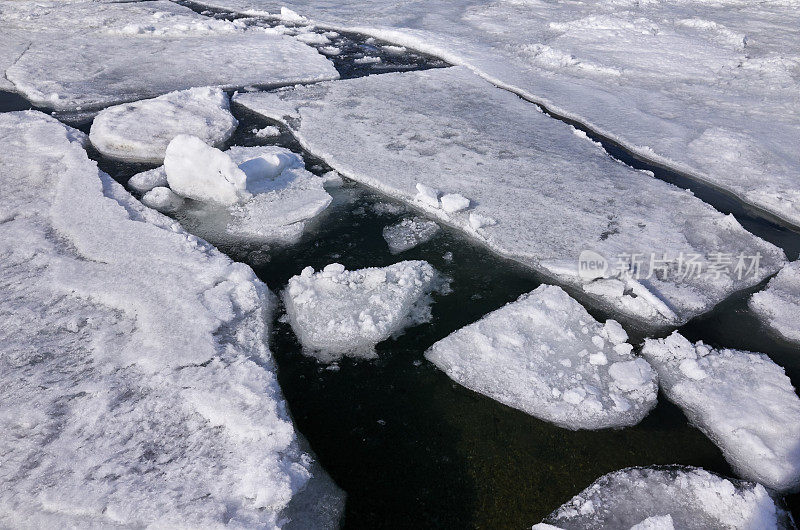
(162, 199)
(693, 498)
(743, 401)
(147, 180)
(779, 304)
(92, 54)
(545, 355)
(141, 131)
(268, 132)
(538, 193)
(136, 386)
(336, 312)
(409, 233)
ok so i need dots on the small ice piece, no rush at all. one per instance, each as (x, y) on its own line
(692, 498)
(332, 179)
(198, 171)
(313, 38)
(367, 59)
(477, 221)
(147, 180)
(427, 195)
(291, 16)
(516, 355)
(409, 233)
(778, 306)
(393, 50)
(162, 199)
(741, 400)
(330, 50)
(141, 131)
(268, 132)
(338, 313)
(453, 202)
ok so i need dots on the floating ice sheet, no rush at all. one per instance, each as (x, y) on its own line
(779, 304)
(409, 233)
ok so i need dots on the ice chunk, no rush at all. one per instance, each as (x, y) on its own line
(163, 199)
(779, 304)
(268, 132)
(453, 202)
(336, 312)
(532, 355)
(409, 233)
(692, 498)
(743, 401)
(141, 131)
(550, 194)
(198, 171)
(136, 384)
(147, 180)
(657, 522)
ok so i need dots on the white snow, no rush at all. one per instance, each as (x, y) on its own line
(409, 233)
(141, 131)
(268, 132)
(147, 180)
(539, 194)
(743, 401)
(779, 304)
(545, 355)
(692, 498)
(136, 387)
(453, 202)
(162, 199)
(94, 54)
(336, 312)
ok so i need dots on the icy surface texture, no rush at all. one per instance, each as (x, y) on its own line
(710, 88)
(743, 401)
(409, 233)
(163, 199)
(94, 54)
(545, 355)
(693, 498)
(539, 193)
(779, 304)
(141, 131)
(336, 312)
(137, 387)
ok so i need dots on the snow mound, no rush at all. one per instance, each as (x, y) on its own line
(136, 385)
(336, 312)
(779, 304)
(409, 233)
(692, 498)
(545, 355)
(741, 400)
(141, 131)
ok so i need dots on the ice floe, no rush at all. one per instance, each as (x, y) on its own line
(137, 388)
(692, 498)
(779, 304)
(409, 233)
(141, 131)
(743, 401)
(336, 312)
(538, 193)
(162, 199)
(545, 355)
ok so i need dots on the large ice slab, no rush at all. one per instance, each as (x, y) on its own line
(538, 192)
(545, 355)
(779, 304)
(336, 312)
(93, 54)
(136, 386)
(743, 401)
(141, 131)
(693, 498)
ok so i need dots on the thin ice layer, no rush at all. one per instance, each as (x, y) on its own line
(91, 55)
(741, 400)
(336, 312)
(779, 304)
(136, 387)
(545, 355)
(692, 497)
(141, 131)
(539, 192)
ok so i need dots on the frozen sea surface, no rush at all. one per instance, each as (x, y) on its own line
(137, 386)
(539, 192)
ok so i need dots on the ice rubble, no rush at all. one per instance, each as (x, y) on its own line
(409, 233)
(136, 385)
(743, 401)
(710, 88)
(693, 499)
(82, 55)
(336, 312)
(141, 131)
(538, 192)
(545, 355)
(779, 304)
